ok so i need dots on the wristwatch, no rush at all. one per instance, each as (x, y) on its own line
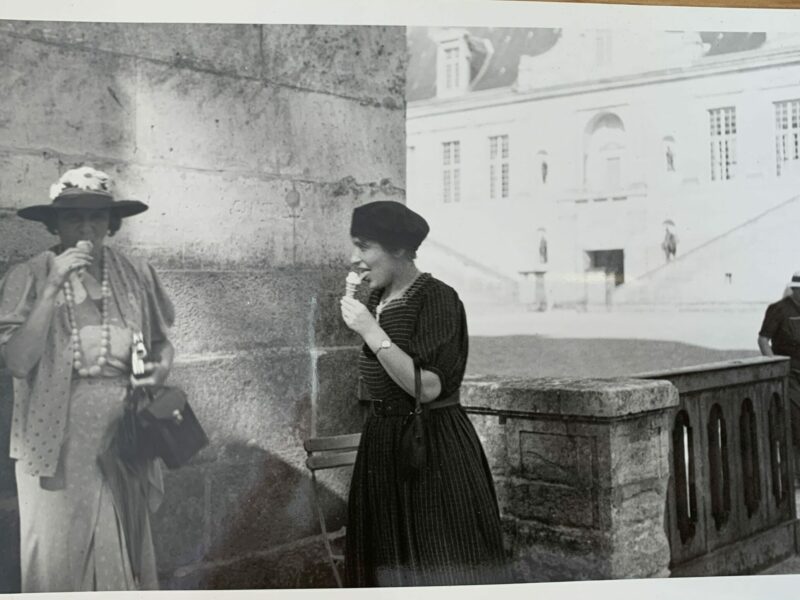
(385, 345)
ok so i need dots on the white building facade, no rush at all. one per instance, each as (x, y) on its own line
(568, 180)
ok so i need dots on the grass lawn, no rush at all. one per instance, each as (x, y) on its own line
(540, 356)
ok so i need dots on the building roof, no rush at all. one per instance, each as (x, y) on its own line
(509, 43)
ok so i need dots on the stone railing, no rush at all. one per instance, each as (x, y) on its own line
(581, 470)
(686, 472)
(731, 498)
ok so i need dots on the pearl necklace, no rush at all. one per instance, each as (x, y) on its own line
(105, 328)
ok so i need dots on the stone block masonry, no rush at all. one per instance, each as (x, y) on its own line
(581, 469)
(251, 144)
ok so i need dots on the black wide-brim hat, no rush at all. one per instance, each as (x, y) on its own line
(391, 224)
(72, 198)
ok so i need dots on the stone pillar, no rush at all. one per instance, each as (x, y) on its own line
(581, 469)
(251, 144)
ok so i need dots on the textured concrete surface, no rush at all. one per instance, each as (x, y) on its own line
(251, 144)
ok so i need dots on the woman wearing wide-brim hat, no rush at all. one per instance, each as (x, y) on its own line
(67, 320)
(414, 522)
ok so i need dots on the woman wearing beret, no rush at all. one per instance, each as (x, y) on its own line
(67, 319)
(441, 525)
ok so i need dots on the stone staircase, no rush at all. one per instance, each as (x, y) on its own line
(749, 263)
(477, 284)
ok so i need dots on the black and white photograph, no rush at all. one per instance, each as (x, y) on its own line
(362, 299)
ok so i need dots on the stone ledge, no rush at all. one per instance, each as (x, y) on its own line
(722, 374)
(572, 397)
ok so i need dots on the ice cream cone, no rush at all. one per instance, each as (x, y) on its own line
(351, 284)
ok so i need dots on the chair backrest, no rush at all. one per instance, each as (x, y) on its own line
(332, 451)
(327, 453)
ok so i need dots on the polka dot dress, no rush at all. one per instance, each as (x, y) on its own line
(71, 532)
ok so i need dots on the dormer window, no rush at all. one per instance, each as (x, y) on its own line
(451, 68)
(462, 60)
(452, 64)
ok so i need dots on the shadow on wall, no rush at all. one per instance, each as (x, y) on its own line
(245, 522)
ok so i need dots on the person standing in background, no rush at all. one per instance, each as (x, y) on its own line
(780, 335)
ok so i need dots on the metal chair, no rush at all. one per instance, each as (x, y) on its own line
(329, 453)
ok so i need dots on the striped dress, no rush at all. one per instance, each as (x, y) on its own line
(442, 527)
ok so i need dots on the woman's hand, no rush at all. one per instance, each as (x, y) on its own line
(60, 267)
(155, 374)
(357, 317)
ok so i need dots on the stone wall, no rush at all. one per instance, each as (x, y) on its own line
(251, 144)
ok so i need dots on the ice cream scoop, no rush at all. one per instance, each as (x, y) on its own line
(351, 283)
(83, 246)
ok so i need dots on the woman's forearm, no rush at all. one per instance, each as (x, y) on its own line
(25, 348)
(400, 367)
(164, 352)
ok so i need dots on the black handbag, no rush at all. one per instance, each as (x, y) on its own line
(160, 423)
(413, 448)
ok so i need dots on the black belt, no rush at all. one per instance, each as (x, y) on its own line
(403, 408)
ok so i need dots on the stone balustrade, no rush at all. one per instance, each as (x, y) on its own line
(684, 472)
(731, 501)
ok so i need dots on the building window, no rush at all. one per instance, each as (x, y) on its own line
(453, 60)
(498, 167)
(451, 68)
(723, 143)
(451, 171)
(787, 135)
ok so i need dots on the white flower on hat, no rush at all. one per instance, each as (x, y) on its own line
(84, 178)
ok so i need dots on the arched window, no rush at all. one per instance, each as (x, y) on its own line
(605, 152)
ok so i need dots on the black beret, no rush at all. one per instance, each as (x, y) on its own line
(391, 224)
